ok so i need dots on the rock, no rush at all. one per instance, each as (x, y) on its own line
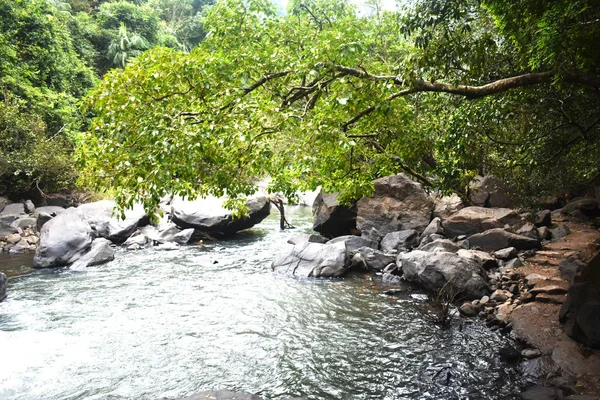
(208, 215)
(514, 263)
(434, 228)
(441, 245)
(484, 300)
(505, 254)
(29, 207)
(483, 259)
(500, 296)
(503, 312)
(14, 209)
(14, 238)
(400, 240)
(169, 246)
(307, 238)
(496, 239)
(543, 233)
(99, 215)
(570, 267)
(100, 253)
(42, 218)
(447, 205)
(32, 239)
(559, 232)
(332, 219)
(63, 240)
(543, 218)
(134, 247)
(390, 278)
(509, 353)
(585, 205)
(7, 230)
(59, 200)
(468, 310)
(372, 260)
(434, 270)
(140, 240)
(472, 220)
(550, 289)
(428, 239)
(353, 243)
(184, 236)
(53, 211)
(24, 222)
(313, 260)
(2, 283)
(542, 393)
(20, 247)
(3, 202)
(398, 203)
(528, 230)
(489, 191)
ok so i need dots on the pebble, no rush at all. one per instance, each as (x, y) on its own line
(531, 353)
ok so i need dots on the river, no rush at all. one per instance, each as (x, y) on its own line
(158, 323)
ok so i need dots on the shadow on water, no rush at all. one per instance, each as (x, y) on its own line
(154, 324)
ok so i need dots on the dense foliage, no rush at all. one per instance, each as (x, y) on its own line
(442, 90)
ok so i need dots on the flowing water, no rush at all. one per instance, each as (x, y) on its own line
(171, 323)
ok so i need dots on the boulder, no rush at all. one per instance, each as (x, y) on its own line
(398, 203)
(3, 202)
(483, 259)
(184, 236)
(434, 228)
(208, 215)
(332, 219)
(370, 259)
(543, 218)
(441, 245)
(100, 253)
(15, 209)
(496, 239)
(2, 285)
(506, 253)
(570, 267)
(101, 217)
(306, 238)
(472, 220)
(585, 205)
(434, 270)
(24, 222)
(7, 230)
(353, 243)
(528, 230)
(489, 191)
(447, 205)
(63, 240)
(313, 260)
(29, 207)
(400, 241)
(579, 313)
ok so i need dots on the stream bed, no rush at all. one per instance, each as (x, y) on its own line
(157, 323)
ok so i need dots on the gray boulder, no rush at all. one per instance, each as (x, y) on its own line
(447, 205)
(101, 217)
(332, 219)
(559, 232)
(489, 191)
(208, 215)
(15, 209)
(471, 220)
(100, 253)
(506, 253)
(370, 259)
(307, 238)
(353, 243)
(434, 228)
(496, 239)
(400, 241)
(63, 240)
(29, 207)
(483, 259)
(398, 203)
(434, 270)
(441, 245)
(184, 236)
(543, 218)
(7, 230)
(45, 214)
(2, 286)
(586, 205)
(24, 222)
(3, 202)
(529, 230)
(313, 260)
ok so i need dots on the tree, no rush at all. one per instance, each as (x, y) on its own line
(125, 46)
(325, 97)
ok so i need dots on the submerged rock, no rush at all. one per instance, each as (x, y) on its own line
(332, 219)
(398, 203)
(434, 270)
(208, 215)
(313, 260)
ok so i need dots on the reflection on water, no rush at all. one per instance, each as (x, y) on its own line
(153, 324)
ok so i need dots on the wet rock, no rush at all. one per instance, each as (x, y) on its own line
(485, 260)
(506, 254)
(392, 279)
(400, 240)
(441, 245)
(100, 253)
(313, 260)
(447, 205)
(490, 191)
(2, 286)
(208, 215)
(398, 203)
(332, 219)
(468, 310)
(307, 238)
(472, 220)
(434, 270)
(496, 239)
(63, 240)
(543, 218)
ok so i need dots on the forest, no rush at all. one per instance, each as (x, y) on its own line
(147, 98)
